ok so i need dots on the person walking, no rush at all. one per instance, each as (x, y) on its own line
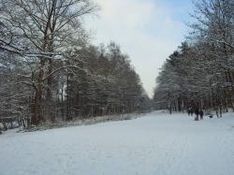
(201, 114)
(189, 111)
(196, 114)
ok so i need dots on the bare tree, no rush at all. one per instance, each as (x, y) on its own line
(40, 32)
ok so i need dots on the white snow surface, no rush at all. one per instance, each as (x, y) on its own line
(156, 144)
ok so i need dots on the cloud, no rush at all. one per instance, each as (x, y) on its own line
(146, 30)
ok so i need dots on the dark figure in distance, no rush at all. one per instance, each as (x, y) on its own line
(201, 114)
(189, 111)
(196, 114)
(192, 111)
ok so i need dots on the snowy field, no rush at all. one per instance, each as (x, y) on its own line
(157, 144)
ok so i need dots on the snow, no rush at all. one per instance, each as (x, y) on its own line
(156, 144)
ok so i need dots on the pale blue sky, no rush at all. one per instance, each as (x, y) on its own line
(147, 30)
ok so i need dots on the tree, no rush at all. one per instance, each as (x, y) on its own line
(105, 88)
(40, 32)
(204, 69)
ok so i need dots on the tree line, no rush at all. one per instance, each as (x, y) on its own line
(201, 72)
(50, 71)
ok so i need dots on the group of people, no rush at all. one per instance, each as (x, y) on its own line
(198, 113)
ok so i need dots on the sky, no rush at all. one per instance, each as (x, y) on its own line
(146, 30)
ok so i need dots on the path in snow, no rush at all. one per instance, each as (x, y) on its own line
(157, 144)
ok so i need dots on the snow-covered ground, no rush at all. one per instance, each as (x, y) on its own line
(157, 144)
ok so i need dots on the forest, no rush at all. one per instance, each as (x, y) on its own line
(200, 73)
(50, 70)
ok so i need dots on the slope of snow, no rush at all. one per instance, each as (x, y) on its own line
(157, 144)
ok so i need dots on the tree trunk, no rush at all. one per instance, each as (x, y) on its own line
(49, 100)
(36, 112)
